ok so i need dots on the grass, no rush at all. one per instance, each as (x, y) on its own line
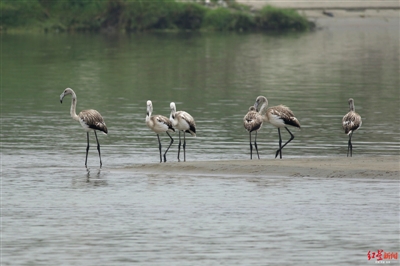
(142, 15)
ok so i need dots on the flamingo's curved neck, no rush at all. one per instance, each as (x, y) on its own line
(73, 107)
(173, 111)
(351, 107)
(263, 108)
(149, 111)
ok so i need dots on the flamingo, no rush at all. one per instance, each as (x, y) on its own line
(253, 122)
(159, 124)
(89, 120)
(350, 123)
(182, 121)
(279, 116)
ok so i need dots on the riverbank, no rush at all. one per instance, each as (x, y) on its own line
(332, 4)
(385, 167)
(137, 15)
(333, 8)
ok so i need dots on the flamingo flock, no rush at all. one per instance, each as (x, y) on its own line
(279, 116)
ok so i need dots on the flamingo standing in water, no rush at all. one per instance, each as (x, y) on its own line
(159, 124)
(350, 123)
(279, 116)
(252, 121)
(182, 121)
(90, 120)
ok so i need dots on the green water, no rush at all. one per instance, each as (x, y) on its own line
(215, 77)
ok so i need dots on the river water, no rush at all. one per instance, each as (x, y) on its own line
(57, 212)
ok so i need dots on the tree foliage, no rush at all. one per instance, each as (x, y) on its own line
(143, 15)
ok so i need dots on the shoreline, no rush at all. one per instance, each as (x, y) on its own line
(384, 167)
(38, 16)
(350, 13)
(336, 8)
(332, 4)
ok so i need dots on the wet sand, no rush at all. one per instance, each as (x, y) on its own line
(384, 167)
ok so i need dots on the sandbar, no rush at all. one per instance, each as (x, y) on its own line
(369, 167)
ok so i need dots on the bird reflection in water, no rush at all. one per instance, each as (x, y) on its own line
(95, 178)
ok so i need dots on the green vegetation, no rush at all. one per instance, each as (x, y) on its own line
(156, 14)
(142, 15)
(20, 13)
(223, 19)
(272, 18)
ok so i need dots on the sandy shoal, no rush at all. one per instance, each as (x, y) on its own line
(383, 167)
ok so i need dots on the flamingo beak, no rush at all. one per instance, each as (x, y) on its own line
(61, 97)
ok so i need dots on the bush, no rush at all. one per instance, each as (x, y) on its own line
(144, 15)
(219, 19)
(161, 14)
(239, 7)
(243, 21)
(20, 13)
(271, 18)
(113, 13)
(190, 16)
(81, 15)
(223, 19)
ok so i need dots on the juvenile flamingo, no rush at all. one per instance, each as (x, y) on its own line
(182, 121)
(279, 116)
(89, 119)
(159, 124)
(350, 123)
(252, 121)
